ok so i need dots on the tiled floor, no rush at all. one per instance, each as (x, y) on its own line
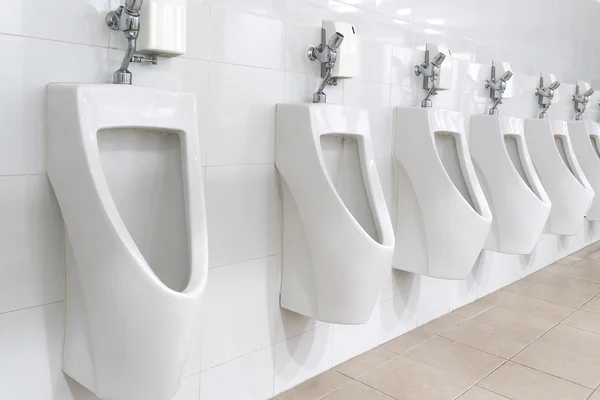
(536, 339)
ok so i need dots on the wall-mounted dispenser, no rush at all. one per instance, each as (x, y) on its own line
(547, 92)
(436, 70)
(152, 28)
(346, 64)
(585, 137)
(164, 28)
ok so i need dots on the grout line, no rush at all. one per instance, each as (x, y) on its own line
(30, 307)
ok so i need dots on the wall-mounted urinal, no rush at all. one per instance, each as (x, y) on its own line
(124, 163)
(443, 218)
(557, 166)
(585, 138)
(338, 239)
(519, 203)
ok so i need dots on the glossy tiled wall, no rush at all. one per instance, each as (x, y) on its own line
(244, 56)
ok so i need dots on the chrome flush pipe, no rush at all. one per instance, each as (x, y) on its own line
(580, 102)
(326, 54)
(127, 20)
(548, 93)
(431, 70)
(498, 85)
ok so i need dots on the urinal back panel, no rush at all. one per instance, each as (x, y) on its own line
(519, 203)
(439, 232)
(337, 235)
(566, 185)
(585, 137)
(128, 334)
(143, 172)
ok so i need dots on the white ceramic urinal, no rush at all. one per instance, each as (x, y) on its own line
(585, 138)
(443, 218)
(337, 234)
(519, 203)
(555, 162)
(124, 163)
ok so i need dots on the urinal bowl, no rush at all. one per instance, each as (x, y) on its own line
(133, 294)
(519, 204)
(337, 236)
(585, 138)
(560, 173)
(443, 218)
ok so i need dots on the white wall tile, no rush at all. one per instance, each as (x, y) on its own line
(31, 243)
(243, 212)
(404, 60)
(246, 378)
(75, 21)
(247, 39)
(302, 357)
(198, 30)
(375, 62)
(239, 310)
(242, 114)
(24, 80)
(434, 299)
(253, 6)
(31, 348)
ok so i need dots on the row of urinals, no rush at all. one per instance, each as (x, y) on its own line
(515, 180)
(131, 193)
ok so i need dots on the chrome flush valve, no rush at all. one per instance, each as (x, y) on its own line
(581, 101)
(546, 93)
(431, 70)
(498, 85)
(127, 20)
(326, 54)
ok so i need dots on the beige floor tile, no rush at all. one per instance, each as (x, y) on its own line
(568, 260)
(518, 286)
(409, 340)
(516, 322)
(536, 307)
(554, 360)
(577, 340)
(472, 309)
(477, 393)
(498, 341)
(497, 296)
(522, 383)
(584, 320)
(593, 305)
(456, 359)
(595, 396)
(565, 282)
(556, 267)
(366, 362)
(538, 276)
(444, 323)
(405, 379)
(584, 271)
(316, 387)
(566, 297)
(356, 391)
